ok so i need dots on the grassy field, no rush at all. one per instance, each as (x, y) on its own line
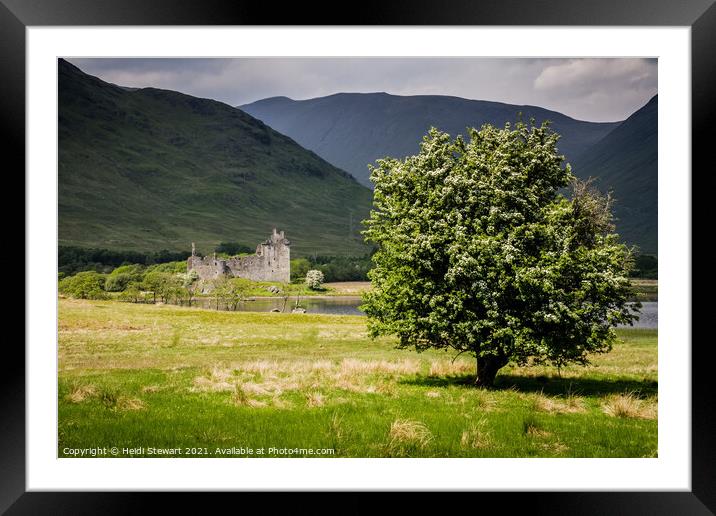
(646, 289)
(193, 382)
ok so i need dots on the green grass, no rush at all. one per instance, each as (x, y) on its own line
(646, 289)
(145, 376)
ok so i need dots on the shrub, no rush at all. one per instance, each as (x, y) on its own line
(132, 294)
(299, 269)
(117, 282)
(170, 267)
(314, 279)
(83, 285)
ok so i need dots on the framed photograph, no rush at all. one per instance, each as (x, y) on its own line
(422, 257)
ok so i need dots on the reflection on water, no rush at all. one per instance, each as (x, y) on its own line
(648, 317)
(312, 305)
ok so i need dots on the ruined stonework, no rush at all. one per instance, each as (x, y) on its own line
(272, 262)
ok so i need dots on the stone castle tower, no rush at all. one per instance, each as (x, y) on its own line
(272, 262)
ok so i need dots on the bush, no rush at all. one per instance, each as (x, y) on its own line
(299, 269)
(132, 294)
(231, 291)
(117, 282)
(84, 285)
(314, 279)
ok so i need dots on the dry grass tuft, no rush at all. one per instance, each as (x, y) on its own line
(124, 403)
(630, 405)
(534, 431)
(351, 367)
(281, 404)
(218, 380)
(446, 368)
(476, 437)
(315, 399)
(260, 388)
(336, 426)
(80, 393)
(432, 394)
(241, 398)
(266, 377)
(556, 447)
(483, 401)
(410, 432)
(569, 405)
(531, 427)
(322, 365)
(151, 388)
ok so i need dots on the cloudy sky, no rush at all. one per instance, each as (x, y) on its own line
(598, 90)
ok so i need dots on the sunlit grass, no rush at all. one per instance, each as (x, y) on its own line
(165, 376)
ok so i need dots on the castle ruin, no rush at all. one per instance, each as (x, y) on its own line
(272, 262)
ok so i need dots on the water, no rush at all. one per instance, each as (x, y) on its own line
(348, 305)
(343, 305)
(649, 316)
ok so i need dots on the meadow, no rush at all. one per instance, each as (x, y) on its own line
(143, 378)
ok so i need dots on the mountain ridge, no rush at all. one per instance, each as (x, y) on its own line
(455, 97)
(352, 130)
(150, 168)
(625, 161)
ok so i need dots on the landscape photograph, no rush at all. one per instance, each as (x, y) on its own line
(269, 257)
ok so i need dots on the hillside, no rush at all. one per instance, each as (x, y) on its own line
(625, 161)
(147, 169)
(352, 130)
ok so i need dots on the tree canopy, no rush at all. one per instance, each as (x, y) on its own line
(480, 252)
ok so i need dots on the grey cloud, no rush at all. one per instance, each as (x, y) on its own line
(587, 89)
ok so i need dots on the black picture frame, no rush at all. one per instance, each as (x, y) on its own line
(700, 15)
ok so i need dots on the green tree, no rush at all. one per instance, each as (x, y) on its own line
(480, 253)
(299, 268)
(188, 282)
(83, 285)
(231, 291)
(132, 293)
(118, 282)
(157, 283)
(170, 288)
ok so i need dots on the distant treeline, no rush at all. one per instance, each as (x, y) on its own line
(334, 268)
(233, 248)
(72, 260)
(646, 266)
(75, 259)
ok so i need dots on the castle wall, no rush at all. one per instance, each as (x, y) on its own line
(272, 262)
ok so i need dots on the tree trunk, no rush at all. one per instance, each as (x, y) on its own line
(487, 368)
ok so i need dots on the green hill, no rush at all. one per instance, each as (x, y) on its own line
(352, 130)
(149, 169)
(625, 161)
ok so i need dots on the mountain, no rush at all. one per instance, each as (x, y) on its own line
(149, 169)
(352, 130)
(625, 161)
